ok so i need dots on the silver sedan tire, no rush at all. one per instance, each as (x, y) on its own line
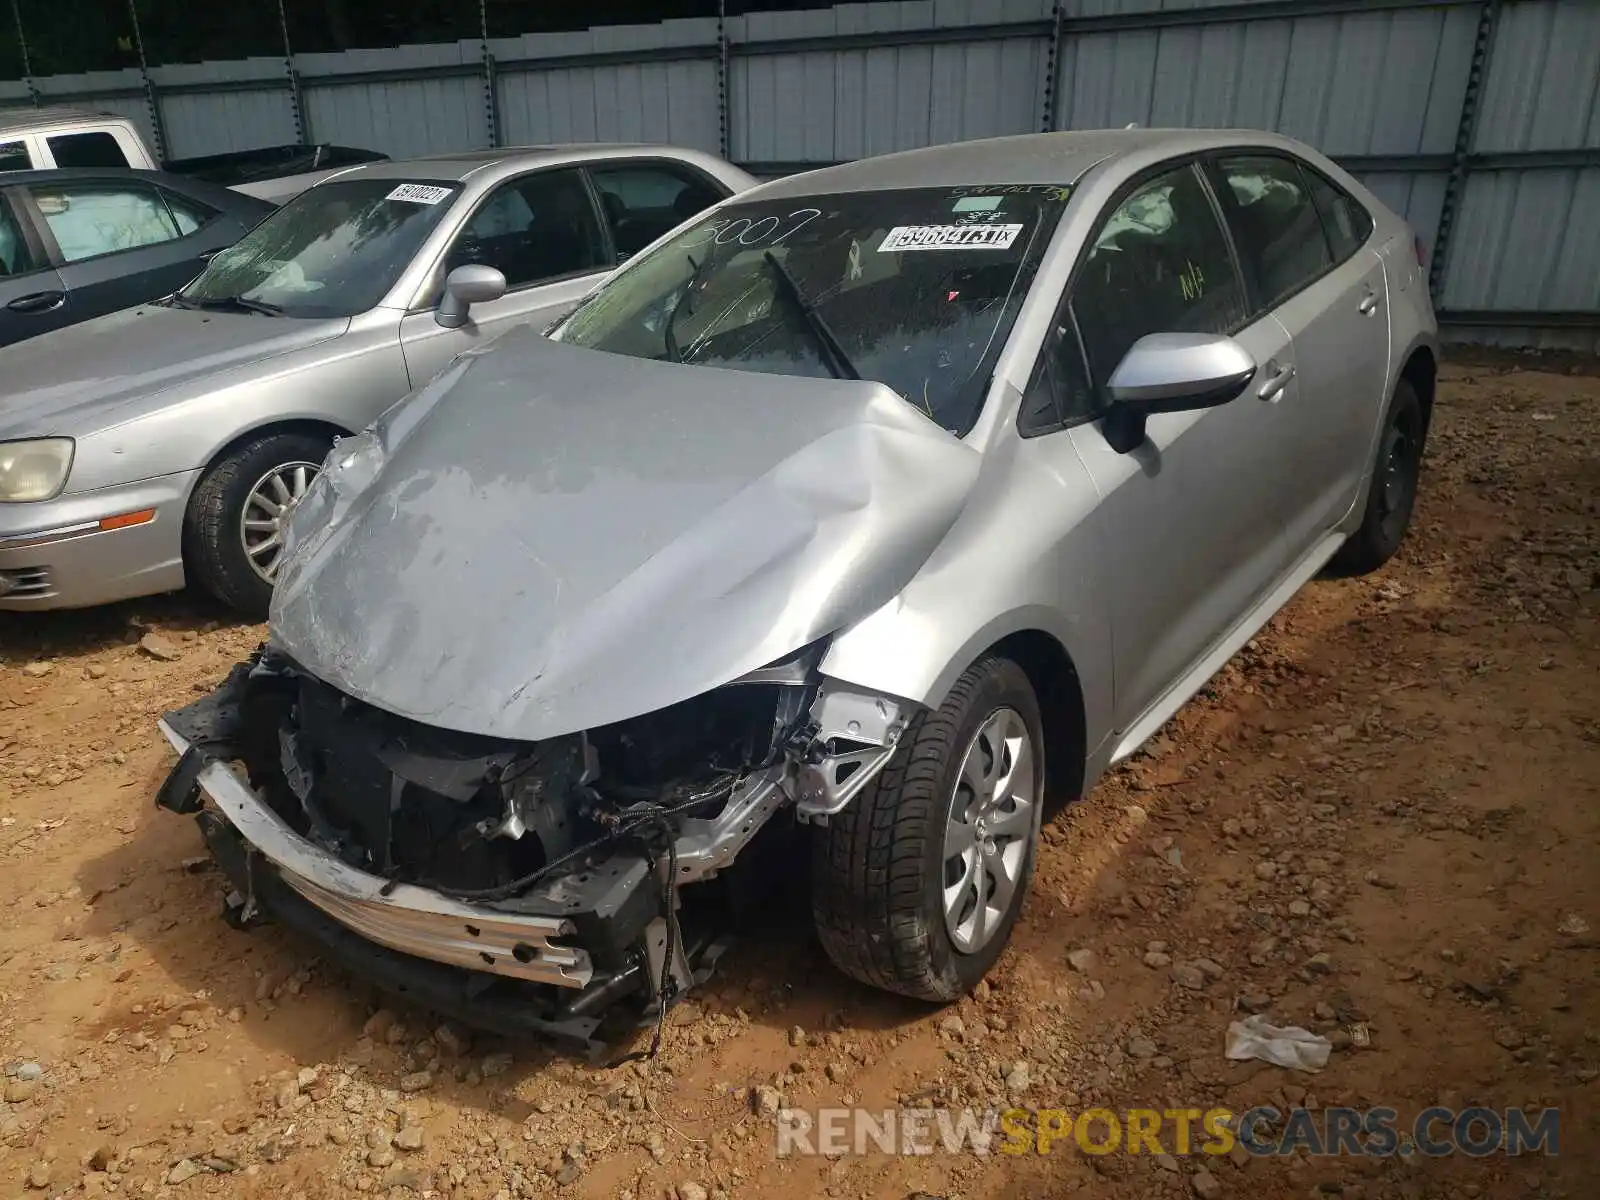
(234, 525)
(918, 883)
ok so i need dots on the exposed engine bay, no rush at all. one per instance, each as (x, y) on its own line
(527, 887)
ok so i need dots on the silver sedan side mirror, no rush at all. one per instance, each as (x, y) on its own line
(465, 286)
(1172, 372)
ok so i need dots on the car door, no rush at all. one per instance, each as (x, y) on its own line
(543, 232)
(646, 198)
(116, 243)
(33, 300)
(1190, 537)
(1328, 291)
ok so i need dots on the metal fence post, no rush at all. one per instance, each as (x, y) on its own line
(27, 66)
(151, 99)
(1456, 185)
(491, 86)
(297, 100)
(722, 78)
(1052, 69)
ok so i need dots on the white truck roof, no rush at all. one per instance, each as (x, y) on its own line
(39, 120)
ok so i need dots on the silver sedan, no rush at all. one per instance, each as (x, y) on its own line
(164, 444)
(858, 517)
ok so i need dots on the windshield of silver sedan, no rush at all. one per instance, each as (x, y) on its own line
(913, 288)
(335, 250)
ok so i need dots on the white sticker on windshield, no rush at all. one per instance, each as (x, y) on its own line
(418, 193)
(949, 237)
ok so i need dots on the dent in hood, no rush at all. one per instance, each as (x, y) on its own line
(75, 380)
(552, 538)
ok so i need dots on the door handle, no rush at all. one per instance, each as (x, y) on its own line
(38, 302)
(1273, 387)
(1368, 305)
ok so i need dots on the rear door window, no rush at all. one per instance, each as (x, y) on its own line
(644, 201)
(1160, 264)
(14, 157)
(1347, 223)
(189, 214)
(1275, 225)
(90, 220)
(97, 149)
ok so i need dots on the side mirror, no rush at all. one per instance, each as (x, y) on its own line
(464, 287)
(1172, 372)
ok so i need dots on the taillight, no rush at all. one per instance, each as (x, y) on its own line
(1422, 253)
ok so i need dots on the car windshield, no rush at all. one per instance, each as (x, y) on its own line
(334, 250)
(916, 289)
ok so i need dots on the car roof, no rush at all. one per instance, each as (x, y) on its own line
(26, 120)
(79, 174)
(455, 168)
(1032, 158)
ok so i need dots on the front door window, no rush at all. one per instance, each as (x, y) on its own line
(1159, 265)
(533, 230)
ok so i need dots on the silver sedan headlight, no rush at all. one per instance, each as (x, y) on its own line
(34, 470)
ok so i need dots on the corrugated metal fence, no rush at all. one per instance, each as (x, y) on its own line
(1477, 119)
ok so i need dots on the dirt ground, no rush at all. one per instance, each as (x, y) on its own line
(1379, 822)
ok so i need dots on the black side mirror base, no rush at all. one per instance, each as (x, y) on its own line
(1123, 428)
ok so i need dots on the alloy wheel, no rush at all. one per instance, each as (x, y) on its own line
(267, 510)
(989, 830)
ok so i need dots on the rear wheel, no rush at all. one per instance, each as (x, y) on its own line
(1393, 494)
(233, 532)
(919, 882)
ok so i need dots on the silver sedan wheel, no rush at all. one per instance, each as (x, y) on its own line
(266, 511)
(989, 830)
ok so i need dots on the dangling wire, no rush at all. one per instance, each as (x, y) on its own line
(666, 986)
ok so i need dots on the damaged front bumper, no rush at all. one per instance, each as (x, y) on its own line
(284, 816)
(410, 919)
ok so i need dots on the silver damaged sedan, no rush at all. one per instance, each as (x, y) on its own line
(862, 517)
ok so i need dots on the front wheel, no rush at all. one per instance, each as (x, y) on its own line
(233, 532)
(919, 881)
(1393, 494)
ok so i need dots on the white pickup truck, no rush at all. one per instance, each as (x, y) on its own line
(35, 139)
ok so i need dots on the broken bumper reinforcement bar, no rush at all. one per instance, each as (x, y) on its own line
(409, 919)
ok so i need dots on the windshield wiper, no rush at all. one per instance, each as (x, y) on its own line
(668, 336)
(230, 304)
(838, 361)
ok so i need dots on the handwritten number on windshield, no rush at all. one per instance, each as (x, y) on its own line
(769, 231)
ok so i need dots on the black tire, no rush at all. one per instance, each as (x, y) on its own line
(1393, 494)
(878, 867)
(213, 547)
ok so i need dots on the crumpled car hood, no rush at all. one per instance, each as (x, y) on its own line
(559, 538)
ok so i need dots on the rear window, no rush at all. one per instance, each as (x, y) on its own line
(86, 150)
(919, 287)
